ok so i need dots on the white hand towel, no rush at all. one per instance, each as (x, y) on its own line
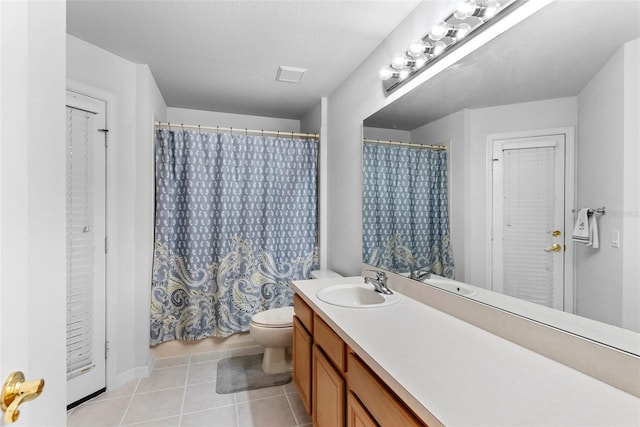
(594, 242)
(581, 228)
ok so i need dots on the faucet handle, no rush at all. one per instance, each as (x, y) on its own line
(380, 275)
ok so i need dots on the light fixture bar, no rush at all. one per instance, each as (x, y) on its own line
(468, 17)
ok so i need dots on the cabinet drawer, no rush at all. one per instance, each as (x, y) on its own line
(303, 312)
(376, 397)
(330, 343)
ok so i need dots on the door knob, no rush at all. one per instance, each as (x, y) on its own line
(15, 391)
(554, 248)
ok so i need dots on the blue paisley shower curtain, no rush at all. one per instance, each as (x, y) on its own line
(235, 223)
(405, 209)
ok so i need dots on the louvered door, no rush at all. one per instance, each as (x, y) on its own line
(528, 219)
(85, 256)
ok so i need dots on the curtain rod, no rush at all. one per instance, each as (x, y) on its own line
(384, 141)
(238, 130)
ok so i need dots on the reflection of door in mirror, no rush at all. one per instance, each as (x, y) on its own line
(547, 72)
(528, 218)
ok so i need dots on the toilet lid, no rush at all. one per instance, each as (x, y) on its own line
(275, 318)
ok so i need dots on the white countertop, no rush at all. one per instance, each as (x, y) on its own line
(465, 376)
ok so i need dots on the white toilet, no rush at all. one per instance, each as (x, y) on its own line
(273, 329)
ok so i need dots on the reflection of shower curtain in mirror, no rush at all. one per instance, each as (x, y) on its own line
(405, 209)
(235, 223)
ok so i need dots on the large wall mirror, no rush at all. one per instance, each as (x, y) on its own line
(540, 130)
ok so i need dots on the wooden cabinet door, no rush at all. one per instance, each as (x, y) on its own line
(328, 393)
(357, 415)
(302, 347)
(385, 407)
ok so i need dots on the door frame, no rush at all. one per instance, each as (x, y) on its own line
(111, 224)
(569, 202)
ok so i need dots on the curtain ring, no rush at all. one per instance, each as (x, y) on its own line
(231, 128)
(262, 132)
(169, 125)
(246, 132)
(199, 131)
(182, 126)
(278, 134)
(291, 135)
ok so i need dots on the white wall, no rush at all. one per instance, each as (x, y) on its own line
(608, 156)
(229, 120)
(387, 134)
(150, 108)
(311, 122)
(137, 102)
(354, 100)
(361, 95)
(450, 131)
(600, 178)
(631, 194)
(548, 114)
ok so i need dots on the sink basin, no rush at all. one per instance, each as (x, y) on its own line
(450, 285)
(356, 296)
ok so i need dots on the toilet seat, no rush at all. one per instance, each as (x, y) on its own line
(274, 318)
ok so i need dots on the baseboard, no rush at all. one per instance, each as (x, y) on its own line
(135, 373)
(182, 348)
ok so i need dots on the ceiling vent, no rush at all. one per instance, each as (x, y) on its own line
(290, 74)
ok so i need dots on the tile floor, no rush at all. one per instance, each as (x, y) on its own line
(181, 391)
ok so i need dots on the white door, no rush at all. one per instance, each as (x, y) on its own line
(32, 204)
(528, 218)
(86, 232)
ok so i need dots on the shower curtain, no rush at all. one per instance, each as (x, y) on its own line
(405, 209)
(235, 223)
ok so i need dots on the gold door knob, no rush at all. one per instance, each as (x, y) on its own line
(554, 248)
(15, 391)
(557, 233)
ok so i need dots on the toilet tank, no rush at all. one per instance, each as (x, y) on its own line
(324, 274)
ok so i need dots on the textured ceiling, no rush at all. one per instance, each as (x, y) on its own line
(224, 55)
(552, 54)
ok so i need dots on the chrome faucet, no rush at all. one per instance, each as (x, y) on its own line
(420, 273)
(379, 283)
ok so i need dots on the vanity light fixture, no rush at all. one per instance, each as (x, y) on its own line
(468, 16)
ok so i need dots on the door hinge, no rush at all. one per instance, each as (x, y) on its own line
(106, 244)
(106, 137)
(106, 349)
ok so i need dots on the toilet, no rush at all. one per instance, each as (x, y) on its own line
(273, 329)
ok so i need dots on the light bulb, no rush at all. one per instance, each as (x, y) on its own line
(439, 47)
(385, 73)
(420, 62)
(399, 62)
(491, 9)
(416, 49)
(404, 74)
(439, 31)
(465, 9)
(462, 30)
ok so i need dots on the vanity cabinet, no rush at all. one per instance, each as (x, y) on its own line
(357, 414)
(329, 385)
(328, 392)
(336, 386)
(376, 398)
(302, 350)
